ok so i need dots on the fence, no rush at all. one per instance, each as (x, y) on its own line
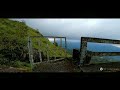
(39, 53)
(85, 55)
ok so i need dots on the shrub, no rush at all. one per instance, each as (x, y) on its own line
(3, 60)
(19, 64)
(16, 64)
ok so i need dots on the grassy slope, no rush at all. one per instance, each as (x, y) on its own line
(14, 38)
(53, 50)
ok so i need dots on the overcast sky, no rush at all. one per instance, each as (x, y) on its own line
(75, 28)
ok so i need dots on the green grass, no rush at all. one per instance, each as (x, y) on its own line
(14, 43)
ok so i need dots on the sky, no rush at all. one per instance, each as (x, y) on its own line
(76, 28)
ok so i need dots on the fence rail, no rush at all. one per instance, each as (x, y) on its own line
(103, 53)
(31, 52)
(85, 55)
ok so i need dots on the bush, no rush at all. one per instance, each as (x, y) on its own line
(3, 60)
(16, 64)
(26, 64)
(19, 64)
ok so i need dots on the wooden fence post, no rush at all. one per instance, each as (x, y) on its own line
(61, 42)
(40, 51)
(54, 40)
(83, 51)
(65, 48)
(47, 52)
(30, 52)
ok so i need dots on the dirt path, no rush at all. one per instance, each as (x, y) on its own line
(66, 66)
(61, 66)
(13, 69)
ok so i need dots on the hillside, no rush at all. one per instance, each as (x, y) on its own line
(14, 43)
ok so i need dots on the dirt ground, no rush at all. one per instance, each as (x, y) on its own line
(13, 69)
(60, 66)
(106, 67)
(67, 66)
(57, 66)
(4, 68)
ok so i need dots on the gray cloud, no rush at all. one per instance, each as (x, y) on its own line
(75, 28)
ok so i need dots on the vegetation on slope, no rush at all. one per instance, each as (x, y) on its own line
(14, 43)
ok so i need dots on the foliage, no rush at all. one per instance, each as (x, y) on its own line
(19, 64)
(3, 60)
(14, 43)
